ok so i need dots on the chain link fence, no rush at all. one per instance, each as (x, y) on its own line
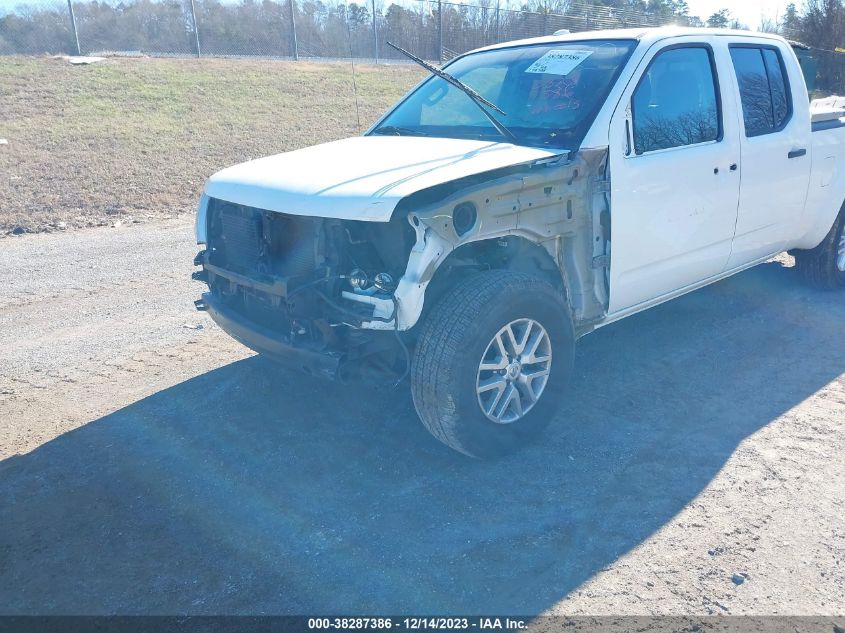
(289, 28)
(333, 29)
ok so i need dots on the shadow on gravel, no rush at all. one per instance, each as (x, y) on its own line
(253, 490)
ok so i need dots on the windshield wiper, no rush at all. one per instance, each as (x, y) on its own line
(397, 131)
(476, 98)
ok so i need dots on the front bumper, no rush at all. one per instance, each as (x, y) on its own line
(270, 343)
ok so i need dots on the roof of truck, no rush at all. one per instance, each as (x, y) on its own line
(646, 35)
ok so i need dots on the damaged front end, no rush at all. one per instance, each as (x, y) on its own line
(337, 297)
(550, 217)
(300, 288)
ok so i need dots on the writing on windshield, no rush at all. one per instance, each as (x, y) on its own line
(550, 92)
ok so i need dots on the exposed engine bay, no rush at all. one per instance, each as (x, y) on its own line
(354, 290)
(292, 274)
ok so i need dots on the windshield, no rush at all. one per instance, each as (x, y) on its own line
(550, 92)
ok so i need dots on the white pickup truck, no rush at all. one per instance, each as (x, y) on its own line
(528, 195)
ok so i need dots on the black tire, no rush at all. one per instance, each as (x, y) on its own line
(818, 266)
(451, 344)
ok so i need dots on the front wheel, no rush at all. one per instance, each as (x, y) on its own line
(492, 361)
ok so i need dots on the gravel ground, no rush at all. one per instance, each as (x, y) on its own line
(151, 465)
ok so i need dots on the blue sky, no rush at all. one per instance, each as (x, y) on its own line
(747, 11)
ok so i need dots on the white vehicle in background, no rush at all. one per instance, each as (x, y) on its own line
(538, 191)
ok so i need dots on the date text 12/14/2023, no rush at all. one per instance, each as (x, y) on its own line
(418, 623)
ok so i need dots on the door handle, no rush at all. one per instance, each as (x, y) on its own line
(797, 153)
(733, 167)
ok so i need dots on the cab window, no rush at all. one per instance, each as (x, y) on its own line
(763, 90)
(676, 102)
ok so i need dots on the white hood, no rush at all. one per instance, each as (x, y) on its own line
(360, 178)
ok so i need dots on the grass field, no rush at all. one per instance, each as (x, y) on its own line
(133, 139)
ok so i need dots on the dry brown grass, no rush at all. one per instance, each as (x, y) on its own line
(133, 139)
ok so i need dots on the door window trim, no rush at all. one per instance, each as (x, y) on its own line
(787, 86)
(716, 86)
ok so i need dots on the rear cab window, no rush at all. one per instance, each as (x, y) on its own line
(763, 88)
(677, 102)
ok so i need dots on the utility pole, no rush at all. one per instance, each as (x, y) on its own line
(440, 31)
(546, 18)
(196, 28)
(498, 33)
(73, 26)
(375, 33)
(293, 30)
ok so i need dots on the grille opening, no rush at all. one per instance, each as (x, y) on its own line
(257, 242)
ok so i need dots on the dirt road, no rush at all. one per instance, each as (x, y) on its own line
(149, 466)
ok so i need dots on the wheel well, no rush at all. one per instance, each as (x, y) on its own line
(504, 253)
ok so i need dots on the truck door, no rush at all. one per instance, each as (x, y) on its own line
(674, 178)
(774, 146)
